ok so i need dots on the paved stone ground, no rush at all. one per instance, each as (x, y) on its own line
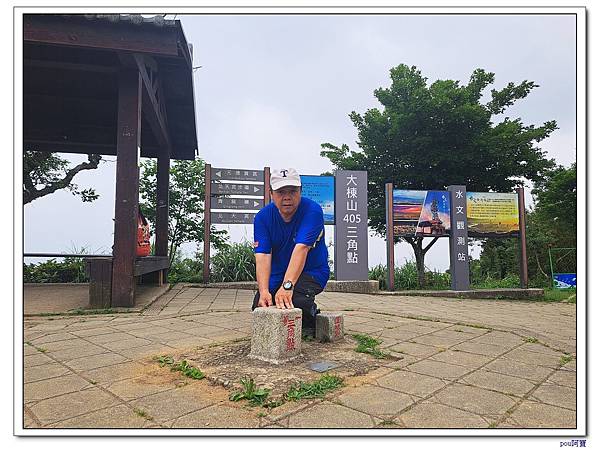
(465, 364)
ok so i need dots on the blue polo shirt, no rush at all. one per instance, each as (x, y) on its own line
(273, 235)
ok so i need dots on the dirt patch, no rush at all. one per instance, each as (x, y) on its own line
(228, 363)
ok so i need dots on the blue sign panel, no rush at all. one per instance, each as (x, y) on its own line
(321, 189)
(565, 280)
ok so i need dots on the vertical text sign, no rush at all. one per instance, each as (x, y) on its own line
(351, 250)
(459, 244)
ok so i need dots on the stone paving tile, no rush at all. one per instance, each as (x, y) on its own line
(131, 342)
(115, 417)
(87, 333)
(70, 405)
(439, 369)
(402, 361)
(101, 360)
(562, 396)
(414, 349)
(115, 336)
(499, 338)
(112, 373)
(219, 416)
(518, 369)
(398, 334)
(564, 378)
(435, 415)
(375, 401)
(480, 348)
(29, 350)
(36, 360)
(171, 404)
(328, 415)
(146, 351)
(63, 345)
(439, 341)
(474, 399)
(149, 332)
(43, 372)
(53, 337)
(188, 343)
(411, 383)
(538, 415)
(469, 330)
(84, 350)
(539, 359)
(462, 358)
(499, 382)
(40, 390)
(136, 388)
(539, 348)
(168, 336)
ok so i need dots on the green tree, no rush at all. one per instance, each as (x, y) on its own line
(430, 137)
(45, 173)
(186, 203)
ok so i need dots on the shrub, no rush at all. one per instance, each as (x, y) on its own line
(70, 270)
(406, 276)
(234, 263)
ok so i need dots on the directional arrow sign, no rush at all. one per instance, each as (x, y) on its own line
(217, 173)
(231, 217)
(236, 203)
(257, 190)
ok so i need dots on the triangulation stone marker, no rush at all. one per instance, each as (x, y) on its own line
(276, 334)
(330, 327)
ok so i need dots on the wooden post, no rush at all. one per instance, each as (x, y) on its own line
(524, 275)
(389, 233)
(267, 196)
(127, 188)
(206, 259)
(161, 244)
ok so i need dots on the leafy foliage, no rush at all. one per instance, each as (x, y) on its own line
(406, 277)
(186, 203)
(316, 389)
(255, 396)
(44, 173)
(70, 270)
(430, 137)
(234, 263)
(367, 344)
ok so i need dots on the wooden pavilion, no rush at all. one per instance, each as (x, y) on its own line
(113, 85)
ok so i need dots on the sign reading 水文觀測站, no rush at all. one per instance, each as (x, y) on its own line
(351, 238)
(459, 240)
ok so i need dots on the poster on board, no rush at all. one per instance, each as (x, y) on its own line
(492, 214)
(421, 213)
(321, 189)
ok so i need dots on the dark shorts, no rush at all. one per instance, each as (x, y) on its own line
(305, 290)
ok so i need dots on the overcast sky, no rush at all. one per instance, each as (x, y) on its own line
(273, 88)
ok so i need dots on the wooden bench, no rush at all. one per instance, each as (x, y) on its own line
(99, 271)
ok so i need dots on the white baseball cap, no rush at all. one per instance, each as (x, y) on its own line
(284, 177)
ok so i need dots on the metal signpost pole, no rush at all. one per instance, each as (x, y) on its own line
(389, 233)
(206, 259)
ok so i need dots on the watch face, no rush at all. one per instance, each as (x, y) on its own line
(287, 285)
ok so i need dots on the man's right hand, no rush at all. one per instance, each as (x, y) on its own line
(265, 300)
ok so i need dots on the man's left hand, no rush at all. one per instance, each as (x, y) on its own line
(283, 299)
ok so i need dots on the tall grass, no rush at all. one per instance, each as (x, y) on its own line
(234, 263)
(406, 277)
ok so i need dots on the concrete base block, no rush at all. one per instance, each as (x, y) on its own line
(276, 334)
(330, 327)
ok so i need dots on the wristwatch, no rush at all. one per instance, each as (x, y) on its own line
(288, 285)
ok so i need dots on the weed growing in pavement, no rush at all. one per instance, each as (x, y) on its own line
(565, 359)
(316, 389)
(255, 396)
(367, 344)
(181, 366)
(142, 413)
(531, 340)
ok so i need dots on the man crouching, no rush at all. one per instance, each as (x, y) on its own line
(291, 255)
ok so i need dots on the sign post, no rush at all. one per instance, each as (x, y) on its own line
(522, 239)
(389, 234)
(459, 243)
(351, 234)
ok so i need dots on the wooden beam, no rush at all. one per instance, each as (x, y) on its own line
(151, 108)
(99, 34)
(69, 66)
(127, 187)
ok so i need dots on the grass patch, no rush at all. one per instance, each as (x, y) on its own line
(143, 414)
(316, 389)
(256, 396)
(565, 359)
(181, 366)
(531, 340)
(559, 295)
(367, 344)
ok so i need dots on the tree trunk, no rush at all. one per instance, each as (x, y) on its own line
(417, 245)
